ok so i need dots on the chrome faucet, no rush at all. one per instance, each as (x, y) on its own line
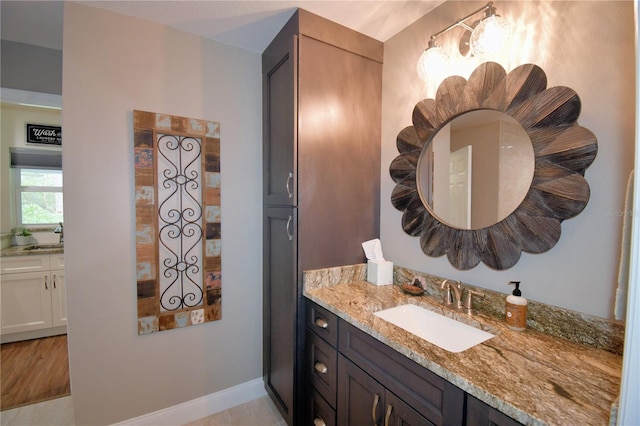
(452, 289)
(60, 230)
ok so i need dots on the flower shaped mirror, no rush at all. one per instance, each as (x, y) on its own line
(492, 166)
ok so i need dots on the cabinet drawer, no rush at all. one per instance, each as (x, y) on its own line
(57, 261)
(19, 264)
(323, 367)
(323, 323)
(322, 414)
(430, 395)
(480, 414)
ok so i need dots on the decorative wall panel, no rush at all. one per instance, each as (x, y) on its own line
(178, 226)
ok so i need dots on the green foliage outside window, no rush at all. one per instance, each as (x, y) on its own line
(40, 197)
(41, 207)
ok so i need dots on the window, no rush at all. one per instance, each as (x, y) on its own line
(39, 196)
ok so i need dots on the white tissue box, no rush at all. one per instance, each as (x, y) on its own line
(380, 272)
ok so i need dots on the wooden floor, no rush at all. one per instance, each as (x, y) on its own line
(33, 371)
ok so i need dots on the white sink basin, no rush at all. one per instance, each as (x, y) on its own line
(442, 331)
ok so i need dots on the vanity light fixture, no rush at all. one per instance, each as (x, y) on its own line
(489, 36)
(433, 60)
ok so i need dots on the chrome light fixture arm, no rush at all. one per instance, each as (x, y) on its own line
(489, 9)
(434, 58)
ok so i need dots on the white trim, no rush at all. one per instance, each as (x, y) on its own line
(201, 407)
(27, 98)
(629, 410)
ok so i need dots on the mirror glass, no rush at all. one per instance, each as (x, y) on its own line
(476, 170)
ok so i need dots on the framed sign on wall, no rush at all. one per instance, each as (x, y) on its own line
(44, 134)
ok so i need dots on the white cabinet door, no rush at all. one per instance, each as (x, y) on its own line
(26, 302)
(58, 298)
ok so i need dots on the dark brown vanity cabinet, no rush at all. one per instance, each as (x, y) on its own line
(355, 379)
(363, 400)
(322, 90)
(377, 381)
(480, 414)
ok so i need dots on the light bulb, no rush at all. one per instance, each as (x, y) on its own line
(490, 36)
(433, 62)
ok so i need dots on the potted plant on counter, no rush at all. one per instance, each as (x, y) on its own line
(21, 236)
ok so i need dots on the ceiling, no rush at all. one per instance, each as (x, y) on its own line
(247, 24)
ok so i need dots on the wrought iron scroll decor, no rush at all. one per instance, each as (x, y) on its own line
(178, 239)
(180, 214)
(562, 149)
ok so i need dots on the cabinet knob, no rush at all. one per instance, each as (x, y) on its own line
(319, 422)
(321, 368)
(46, 283)
(321, 322)
(54, 281)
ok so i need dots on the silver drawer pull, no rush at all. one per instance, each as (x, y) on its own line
(374, 408)
(321, 368)
(388, 415)
(289, 233)
(321, 322)
(289, 179)
(318, 422)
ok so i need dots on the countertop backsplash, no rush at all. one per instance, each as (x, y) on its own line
(593, 331)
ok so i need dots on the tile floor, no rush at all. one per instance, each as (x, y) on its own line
(59, 412)
(55, 412)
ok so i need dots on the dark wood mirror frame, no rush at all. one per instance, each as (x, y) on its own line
(563, 150)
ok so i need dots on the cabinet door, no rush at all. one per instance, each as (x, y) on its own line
(360, 397)
(26, 302)
(279, 307)
(338, 154)
(58, 298)
(398, 413)
(279, 70)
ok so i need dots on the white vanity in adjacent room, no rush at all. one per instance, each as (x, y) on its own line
(32, 296)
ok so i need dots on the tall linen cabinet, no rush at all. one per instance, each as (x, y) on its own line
(322, 89)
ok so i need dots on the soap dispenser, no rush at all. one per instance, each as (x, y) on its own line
(516, 315)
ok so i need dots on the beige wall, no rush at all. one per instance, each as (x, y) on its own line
(113, 65)
(586, 45)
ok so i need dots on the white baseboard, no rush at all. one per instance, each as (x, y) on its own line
(34, 334)
(201, 407)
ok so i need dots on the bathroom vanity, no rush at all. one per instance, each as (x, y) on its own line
(365, 370)
(33, 293)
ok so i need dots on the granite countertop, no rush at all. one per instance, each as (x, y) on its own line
(22, 250)
(533, 377)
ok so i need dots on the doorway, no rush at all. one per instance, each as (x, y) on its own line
(34, 361)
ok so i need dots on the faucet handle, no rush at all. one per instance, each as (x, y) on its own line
(469, 302)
